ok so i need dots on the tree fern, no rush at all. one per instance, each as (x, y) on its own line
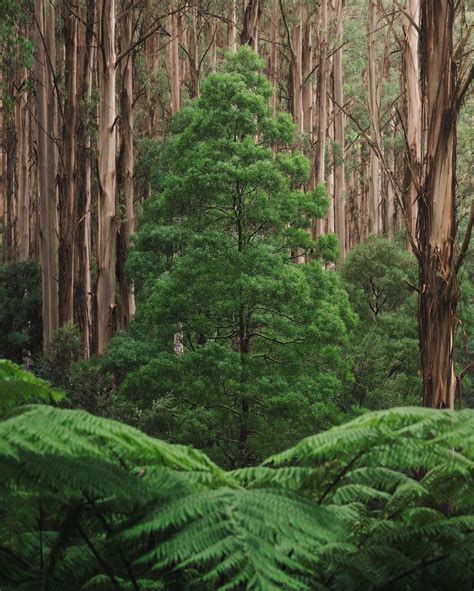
(382, 502)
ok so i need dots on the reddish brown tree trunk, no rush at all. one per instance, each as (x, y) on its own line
(436, 205)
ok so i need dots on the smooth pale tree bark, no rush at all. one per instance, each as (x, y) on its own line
(412, 99)
(273, 53)
(68, 197)
(322, 104)
(251, 23)
(193, 50)
(46, 182)
(339, 133)
(442, 93)
(329, 226)
(322, 91)
(297, 74)
(127, 297)
(107, 223)
(86, 68)
(373, 104)
(23, 175)
(213, 50)
(232, 26)
(363, 191)
(307, 67)
(173, 59)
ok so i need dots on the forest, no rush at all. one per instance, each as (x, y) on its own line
(236, 295)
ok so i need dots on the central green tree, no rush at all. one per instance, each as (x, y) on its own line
(246, 343)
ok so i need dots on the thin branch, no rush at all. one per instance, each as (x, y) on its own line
(287, 30)
(106, 567)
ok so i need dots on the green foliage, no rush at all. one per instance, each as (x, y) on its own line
(384, 345)
(18, 386)
(16, 49)
(64, 349)
(384, 501)
(20, 310)
(376, 276)
(235, 348)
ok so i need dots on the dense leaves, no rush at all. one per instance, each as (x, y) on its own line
(246, 343)
(384, 501)
(20, 310)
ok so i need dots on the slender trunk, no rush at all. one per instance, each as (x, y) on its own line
(322, 91)
(297, 76)
(232, 26)
(173, 60)
(68, 205)
(250, 29)
(10, 142)
(363, 191)
(339, 135)
(411, 78)
(127, 297)
(213, 51)
(374, 101)
(23, 175)
(307, 81)
(107, 224)
(46, 180)
(273, 54)
(84, 179)
(243, 350)
(194, 66)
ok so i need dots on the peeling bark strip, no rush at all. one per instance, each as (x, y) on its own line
(107, 224)
(437, 231)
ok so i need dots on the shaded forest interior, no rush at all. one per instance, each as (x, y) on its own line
(331, 255)
(236, 295)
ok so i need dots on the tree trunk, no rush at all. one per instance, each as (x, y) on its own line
(297, 76)
(173, 60)
(273, 54)
(86, 67)
(411, 77)
(374, 102)
(127, 297)
(232, 26)
(107, 225)
(46, 182)
(339, 135)
(436, 224)
(194, 62)
(23, 175)
(250, 29)
(307, 66)
(322, 91)
(68, 205)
